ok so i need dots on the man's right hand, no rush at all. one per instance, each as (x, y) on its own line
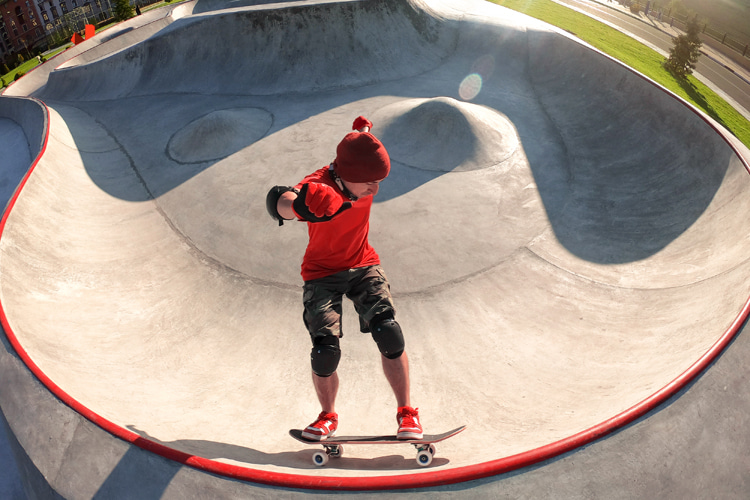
(318, 203)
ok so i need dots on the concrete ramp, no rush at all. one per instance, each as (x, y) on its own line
(566, 241)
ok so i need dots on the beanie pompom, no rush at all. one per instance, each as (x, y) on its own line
(361, 122)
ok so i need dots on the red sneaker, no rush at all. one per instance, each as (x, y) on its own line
(408, 423)
(323, 428)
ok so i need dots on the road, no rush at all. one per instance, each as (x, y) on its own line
(720, 77)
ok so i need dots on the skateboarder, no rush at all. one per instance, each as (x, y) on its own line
(335, 202)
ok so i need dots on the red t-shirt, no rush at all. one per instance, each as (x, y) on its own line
(341, 243)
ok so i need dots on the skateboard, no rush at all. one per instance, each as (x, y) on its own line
(333, 446)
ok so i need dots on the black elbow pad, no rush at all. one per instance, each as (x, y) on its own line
(272, 201)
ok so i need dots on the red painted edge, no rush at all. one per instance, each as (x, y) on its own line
(392, 482)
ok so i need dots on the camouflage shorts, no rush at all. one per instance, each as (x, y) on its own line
(366, 287)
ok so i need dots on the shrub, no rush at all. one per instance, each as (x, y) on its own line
(19, 75)
(123, 10)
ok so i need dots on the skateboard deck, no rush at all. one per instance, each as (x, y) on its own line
(333, 445)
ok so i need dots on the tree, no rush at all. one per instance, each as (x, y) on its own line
(123, 10)
(686, 51)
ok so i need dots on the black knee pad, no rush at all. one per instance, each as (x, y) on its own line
(387, 334)
(325, 356)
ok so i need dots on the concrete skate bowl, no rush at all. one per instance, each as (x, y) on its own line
(566, 243)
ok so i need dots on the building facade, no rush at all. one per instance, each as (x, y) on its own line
(20, 28)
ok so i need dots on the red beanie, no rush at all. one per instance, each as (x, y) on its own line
(361, 157)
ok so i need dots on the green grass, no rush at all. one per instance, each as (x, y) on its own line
(636, 55)
(23, 68)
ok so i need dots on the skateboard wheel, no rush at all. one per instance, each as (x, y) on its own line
(432, 450)
(320, 458)
(424, 458)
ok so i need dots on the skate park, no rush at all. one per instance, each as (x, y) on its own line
(566, 244)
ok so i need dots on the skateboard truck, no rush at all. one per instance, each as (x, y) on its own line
(425, 453)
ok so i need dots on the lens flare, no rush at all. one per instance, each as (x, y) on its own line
(470, 87)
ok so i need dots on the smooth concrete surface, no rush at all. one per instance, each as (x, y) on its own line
(694, 446)
(571, 240)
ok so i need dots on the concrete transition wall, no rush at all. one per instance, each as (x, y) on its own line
(31, 116)
(255, 51)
